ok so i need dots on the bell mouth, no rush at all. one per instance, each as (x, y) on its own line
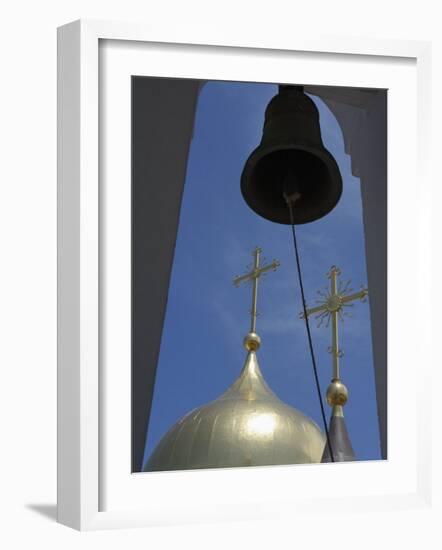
(314, 173)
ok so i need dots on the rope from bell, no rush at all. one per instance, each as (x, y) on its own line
(290, 200)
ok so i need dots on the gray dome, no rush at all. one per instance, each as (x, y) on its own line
(247, 426)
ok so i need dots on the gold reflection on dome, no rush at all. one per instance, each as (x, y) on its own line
(262, 424)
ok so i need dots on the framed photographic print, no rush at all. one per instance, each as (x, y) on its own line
(234, 253)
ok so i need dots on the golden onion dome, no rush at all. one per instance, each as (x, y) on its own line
(246, 426)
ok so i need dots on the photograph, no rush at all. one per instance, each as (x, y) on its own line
(259, 246)
(220, 275)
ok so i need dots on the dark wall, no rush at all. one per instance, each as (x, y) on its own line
(374, 199)
(163, 112)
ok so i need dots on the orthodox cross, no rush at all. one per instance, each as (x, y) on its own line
(332, 306)
(254, 276)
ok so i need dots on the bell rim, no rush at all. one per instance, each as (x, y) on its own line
(325, 155)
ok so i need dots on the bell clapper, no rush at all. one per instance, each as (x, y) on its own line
(291, 192)
(291, 199)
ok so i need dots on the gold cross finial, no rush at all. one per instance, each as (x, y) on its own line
(332, 306)
(253, 276)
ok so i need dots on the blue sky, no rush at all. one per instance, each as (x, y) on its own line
(207, 317)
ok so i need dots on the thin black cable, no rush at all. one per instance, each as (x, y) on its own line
(307, 326)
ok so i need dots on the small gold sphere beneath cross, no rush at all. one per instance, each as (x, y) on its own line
(252, 341)
(337, 393)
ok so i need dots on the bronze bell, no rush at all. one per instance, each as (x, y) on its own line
(291, 160)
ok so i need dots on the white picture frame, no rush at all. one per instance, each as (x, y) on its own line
(80, 434)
